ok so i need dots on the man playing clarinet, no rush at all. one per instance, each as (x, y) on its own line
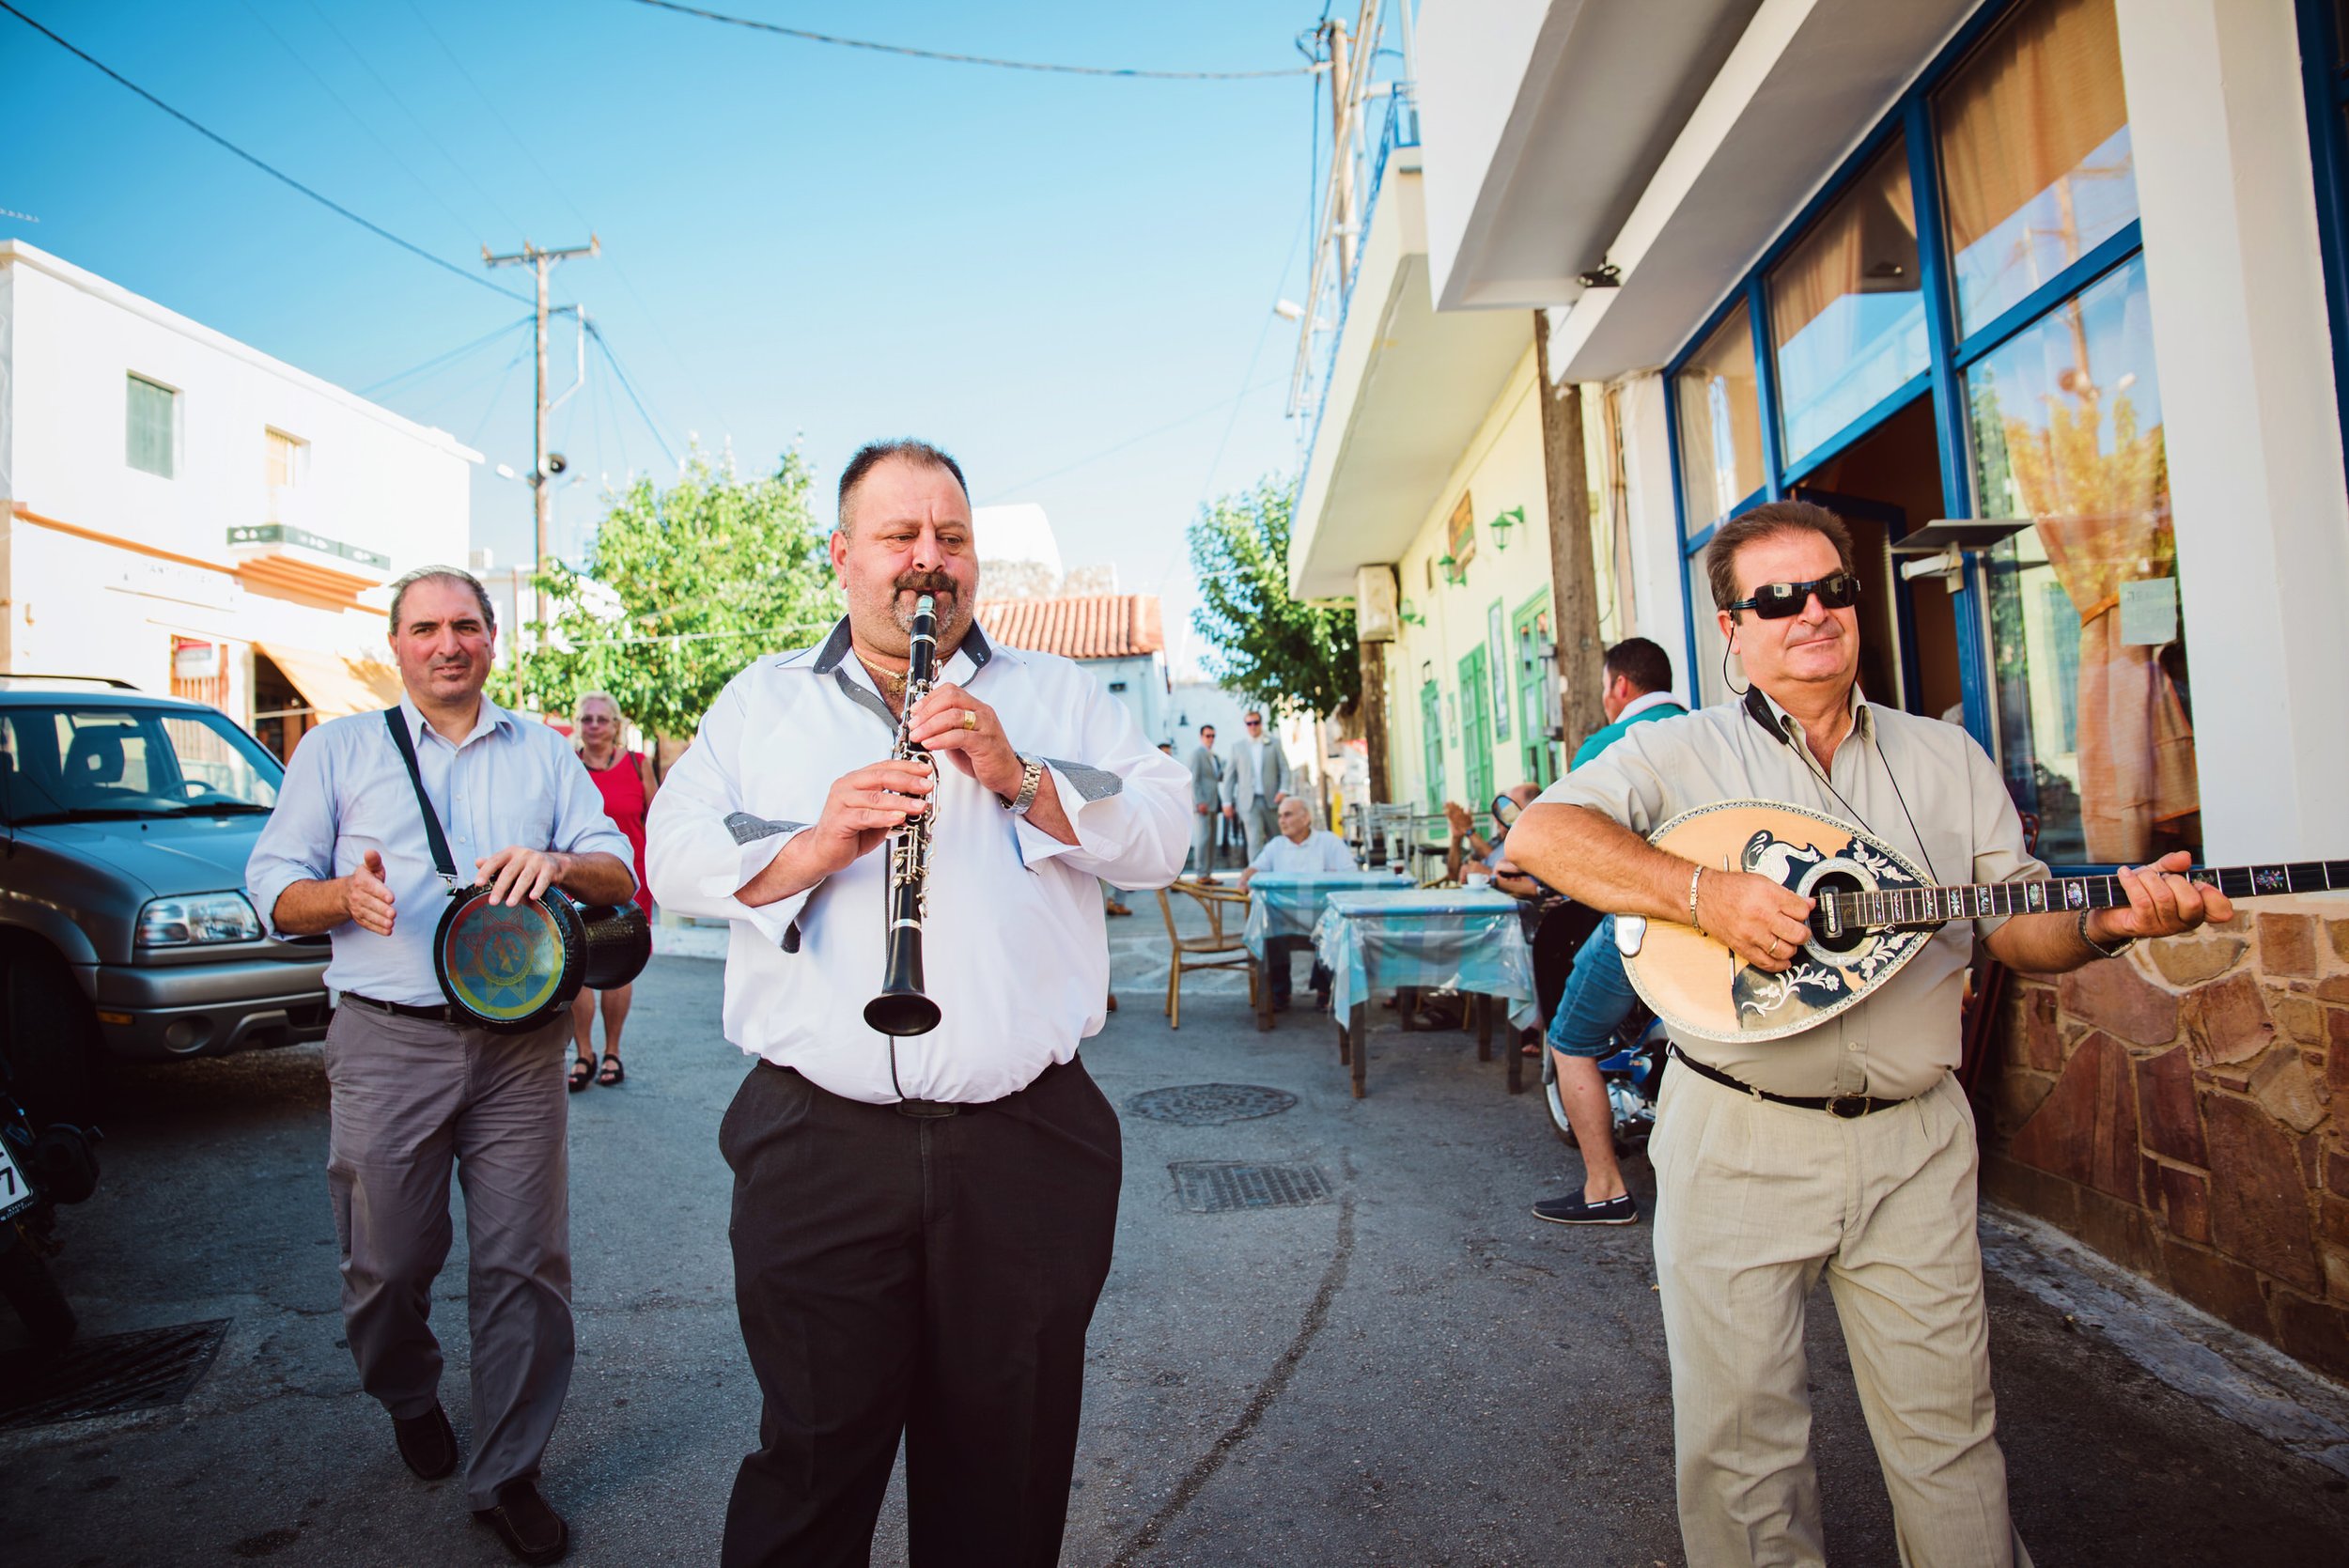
(922, 1223)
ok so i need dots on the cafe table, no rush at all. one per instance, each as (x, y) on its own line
(1452, 939)
(1289, 904)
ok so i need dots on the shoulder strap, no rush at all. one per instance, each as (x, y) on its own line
(442, 861)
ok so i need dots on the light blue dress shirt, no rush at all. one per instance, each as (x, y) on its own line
(511, 782)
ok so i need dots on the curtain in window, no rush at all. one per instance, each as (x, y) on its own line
(1865, 245)
(2102, 511)
(2028, 181)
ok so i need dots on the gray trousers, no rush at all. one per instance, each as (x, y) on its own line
(409, 1100)
(1203, 830)
(1259, 821)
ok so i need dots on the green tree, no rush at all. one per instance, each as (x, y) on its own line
(681, 588)
(1282, 652)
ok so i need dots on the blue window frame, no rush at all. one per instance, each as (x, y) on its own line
(1908, 130)
(2324, 73)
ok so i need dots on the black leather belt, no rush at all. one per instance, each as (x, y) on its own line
(437, 1013)
(1846, 1106)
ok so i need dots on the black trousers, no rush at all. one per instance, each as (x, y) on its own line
(929, 1277)
(1277, 948)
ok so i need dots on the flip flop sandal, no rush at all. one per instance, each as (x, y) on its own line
(612, 1072)
(583, 1073)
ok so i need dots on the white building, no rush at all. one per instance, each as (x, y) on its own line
(181, 511)
(1116, 637)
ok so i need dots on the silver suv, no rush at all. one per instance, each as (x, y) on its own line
(123, 924)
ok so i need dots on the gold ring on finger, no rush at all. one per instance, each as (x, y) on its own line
(970, 718)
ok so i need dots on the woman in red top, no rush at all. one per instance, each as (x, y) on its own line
(626, 780)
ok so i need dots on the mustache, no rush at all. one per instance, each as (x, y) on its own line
(926, 582)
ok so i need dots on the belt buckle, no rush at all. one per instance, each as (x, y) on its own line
(1859, 1105)
(928, 1110)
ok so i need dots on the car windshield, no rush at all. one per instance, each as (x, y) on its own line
(66, 762)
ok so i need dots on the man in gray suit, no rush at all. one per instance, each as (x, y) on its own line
(1255, 782)
(1206, 780)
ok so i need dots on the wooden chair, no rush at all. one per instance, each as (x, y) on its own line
(1218, 949)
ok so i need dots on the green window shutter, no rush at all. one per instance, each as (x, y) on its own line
(149, 426)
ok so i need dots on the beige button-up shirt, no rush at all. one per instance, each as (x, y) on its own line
(1905, 1035)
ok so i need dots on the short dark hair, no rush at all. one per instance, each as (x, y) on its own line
(443, 574)
(1207, 729)
(1640, 662)
(1770, 517)
(874, 453)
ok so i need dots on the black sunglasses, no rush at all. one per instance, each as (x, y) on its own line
(1775, 601)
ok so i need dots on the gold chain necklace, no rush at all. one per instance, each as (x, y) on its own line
(893, 681)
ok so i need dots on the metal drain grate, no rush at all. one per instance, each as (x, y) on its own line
(1207, 1105)
(1218, 1186)
(138, 1371)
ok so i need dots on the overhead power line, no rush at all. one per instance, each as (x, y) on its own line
(274, 173)
(807, 36)
(630, 387)
(445, 358)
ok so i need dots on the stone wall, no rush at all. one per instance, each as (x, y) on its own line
(2185, 1109)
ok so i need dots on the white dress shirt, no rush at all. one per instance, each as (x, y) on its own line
(512, 781)
(1322, 850)
(1014, 948)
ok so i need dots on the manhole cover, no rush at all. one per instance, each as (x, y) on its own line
(1207, 1105)
(1218, 1186)
(138, 1370)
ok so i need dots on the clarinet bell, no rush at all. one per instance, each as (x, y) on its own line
(902, 1012)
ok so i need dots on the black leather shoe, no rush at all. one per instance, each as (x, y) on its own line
(427, 1442)
(532, 1533)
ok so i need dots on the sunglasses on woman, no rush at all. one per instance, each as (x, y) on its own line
(1775, 601)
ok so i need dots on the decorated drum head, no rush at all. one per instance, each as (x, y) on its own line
(507, 965)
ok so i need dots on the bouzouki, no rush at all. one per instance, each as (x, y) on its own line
(1875, 911)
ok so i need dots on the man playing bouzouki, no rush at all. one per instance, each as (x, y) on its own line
(1847, 1147)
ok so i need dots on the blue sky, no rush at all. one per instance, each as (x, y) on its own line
(802, 244)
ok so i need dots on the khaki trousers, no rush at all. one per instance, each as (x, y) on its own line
(1754, 1200)
(410, 1099)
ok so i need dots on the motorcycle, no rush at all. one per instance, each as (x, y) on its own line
(1634, 1069)
(38, 1171)
(1633, 1072)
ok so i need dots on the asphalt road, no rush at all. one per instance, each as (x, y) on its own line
(1410, 1371)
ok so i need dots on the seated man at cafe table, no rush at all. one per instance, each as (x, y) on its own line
(1299, 849)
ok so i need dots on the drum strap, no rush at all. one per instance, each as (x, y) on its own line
(442, 861)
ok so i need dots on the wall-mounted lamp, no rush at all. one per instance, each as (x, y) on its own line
(1410, 617)
(1513, 517)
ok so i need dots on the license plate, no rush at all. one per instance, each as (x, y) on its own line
(15, 1192)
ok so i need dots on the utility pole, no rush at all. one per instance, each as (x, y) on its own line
(1341, 148)
(542, 500)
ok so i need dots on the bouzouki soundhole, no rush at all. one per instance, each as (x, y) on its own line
(1829, 940)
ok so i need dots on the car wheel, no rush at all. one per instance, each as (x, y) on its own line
(49, 1037)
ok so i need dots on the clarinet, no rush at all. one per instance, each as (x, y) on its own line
(902, 1008)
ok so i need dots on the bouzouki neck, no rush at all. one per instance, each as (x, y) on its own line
(1898, 908)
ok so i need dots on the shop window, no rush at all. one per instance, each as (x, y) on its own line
(1709, 648)
(1720, 423)
(153, 427)
(2089, 660)
(1847, 311)
(2036, 166)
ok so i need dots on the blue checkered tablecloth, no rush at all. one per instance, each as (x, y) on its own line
(1289, 904)
(1437, 938)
